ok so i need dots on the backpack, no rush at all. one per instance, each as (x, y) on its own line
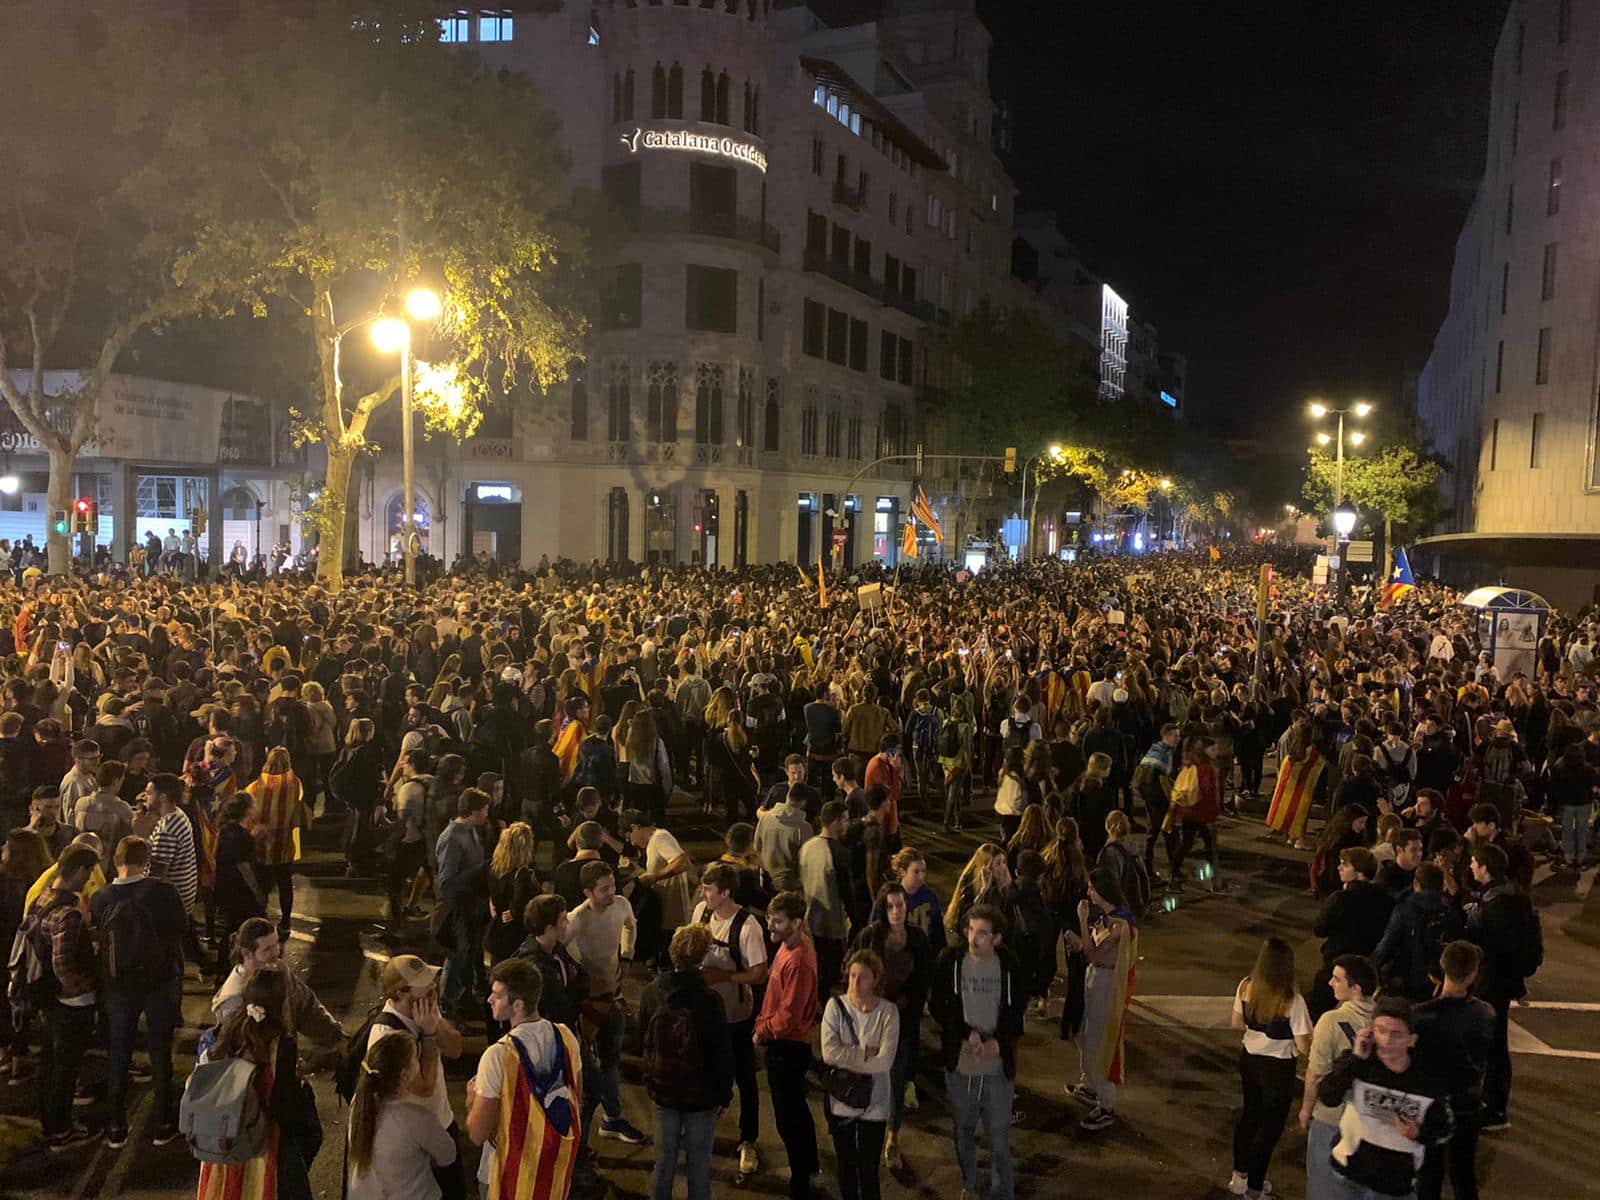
(33, 984)
(220, 1115)
(673, 1063)
(128, 947)
(1131, 875)
(924, 730)
(950, 738)
(1430, 934)
(1018, 734)
(348, 1073)
(1531, 942)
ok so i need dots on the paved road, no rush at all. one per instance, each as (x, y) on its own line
(1173, 1141)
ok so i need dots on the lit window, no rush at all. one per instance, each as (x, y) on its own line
(855, 124)
(594, 36)
(833, 106)
(494, 27)
(819, 96)
(456, 29)
(844, 114)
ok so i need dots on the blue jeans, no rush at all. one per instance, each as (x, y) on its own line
(904, 1070)
(455, 982)
(1575, 832)
(163, 1011)
(1322, 1182)
(606, 1091)
(987, 1098)
(694, 1131)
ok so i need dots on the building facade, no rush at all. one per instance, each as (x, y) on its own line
(1509, 391)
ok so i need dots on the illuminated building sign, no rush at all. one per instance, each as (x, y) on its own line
(494, 491)
(699, 143)
(1169, 400)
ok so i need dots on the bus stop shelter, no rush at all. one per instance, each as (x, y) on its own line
(1510, 624)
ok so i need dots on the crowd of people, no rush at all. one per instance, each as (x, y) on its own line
(519, 758)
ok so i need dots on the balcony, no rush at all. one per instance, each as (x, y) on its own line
(819, 263)
(910, 305)
(719, 225)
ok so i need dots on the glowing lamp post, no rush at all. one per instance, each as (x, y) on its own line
(392, 335)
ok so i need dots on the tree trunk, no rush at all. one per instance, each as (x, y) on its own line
(1033, 517)
(336, 500)
(58, 546)
(1388, 550)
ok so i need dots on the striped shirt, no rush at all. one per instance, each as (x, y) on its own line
(172, 855)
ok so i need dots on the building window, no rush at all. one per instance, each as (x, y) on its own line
(1547, 279)
(891, 429)
(495, 27)
(748, 118)
(835, 427)
(661, 412)
(1535, 449)
(886, 353)
(617, 525)
(713, 199)
(1494, 444)
(905, 361)
(891, 276)
(621, 184)
(711, 299)
(1563, 21)
(1516, 125)
(724, 92)
(894, 208)
(580, 408)
(455, 29)
(772, 419)
(626, 310)
(755, 111)
(675, 93)
(838, 336)
(816, 157)
(747, 407)
(708, 404)
(859, 335)
(619, 418)
(761, 309)
(816, 235)
(1499, 367)
(708, 95)
(1541, 370)
(1511, 202)
(1552, 204)
(1505, 285)
(853, 437)
(814, 335)
(1558, 117)
(808, 424)
(658, 92)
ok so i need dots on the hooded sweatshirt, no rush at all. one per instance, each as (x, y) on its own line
(1335, 1034)
(780, 833)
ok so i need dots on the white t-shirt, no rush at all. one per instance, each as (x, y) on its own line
(540, 1039)
(438, 1100)
(737, 1000)
(1265, 1045)
(661, 850)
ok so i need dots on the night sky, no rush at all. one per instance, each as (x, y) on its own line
(1278, 187)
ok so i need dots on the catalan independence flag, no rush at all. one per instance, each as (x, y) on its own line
(1400, 581)
(923, 511)
(536, 1141)
(908, 544)
(566, 747)
(1296, 788)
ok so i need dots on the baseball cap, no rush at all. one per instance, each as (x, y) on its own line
(407, 971)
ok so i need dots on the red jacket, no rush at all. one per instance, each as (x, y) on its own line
(887, 773)
(789, 1010)
(1209, 808)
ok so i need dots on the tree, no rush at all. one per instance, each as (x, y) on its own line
(355, 155)
(93, 219)
(1400, 484)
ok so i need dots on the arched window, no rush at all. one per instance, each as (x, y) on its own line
(661, 412)
(395, 519)
(675, 92)
(658, 92)
(748, 109)
(616, 97)
(724, 87)
(708, 95)
(580, 408)
(619, 418)
(755, 111)
(617, 525)
(771, 419)
(708, 405)
(750, 10)
(627, 95)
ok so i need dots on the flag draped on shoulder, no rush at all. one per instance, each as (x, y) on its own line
(566, 747)
(1291, 798)
(536, 1144)
(1400, 582)
(922, 511)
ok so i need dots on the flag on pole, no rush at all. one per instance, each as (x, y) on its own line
(822, 583)
(908, 545)
(1216, 555)
(922, 511)
(805, 579)
(1400, 582)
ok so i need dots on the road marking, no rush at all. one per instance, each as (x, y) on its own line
(1560, 1006)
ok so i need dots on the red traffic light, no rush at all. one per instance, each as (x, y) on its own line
(83, 505)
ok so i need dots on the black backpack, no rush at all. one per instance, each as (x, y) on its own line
(950, 738)
(348, 1072)
(32, 980)
(129, 948)
(1018, 734)
(673, 1062)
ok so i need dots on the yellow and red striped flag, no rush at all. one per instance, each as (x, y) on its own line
(1291, 798)
(922, 511)
(536, 1147)
(566, 747)
(822, 583)
(908, 544)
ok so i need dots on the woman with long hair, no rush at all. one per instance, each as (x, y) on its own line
(1347, 828)
(355, 782)
(907, 956)
(1300, 765)
(1013, 794)
(730, 761)
(1110, 937)
(1123, 860)
(1032, 834)
(1063, 884)
(1268, 1009)
(512, 883)
(717, 711)
(649, 783)
(1091, 796)
(280, 815)
(986, 879)
(394, 1146)
(261, 1030)
(322, 740)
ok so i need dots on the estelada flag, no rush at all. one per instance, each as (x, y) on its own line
(537, 1140)
(908, 544)
(1216, 555)
(1291, 798)
(566, 747)
(1400, 582)
(822, 583)
(923, 511)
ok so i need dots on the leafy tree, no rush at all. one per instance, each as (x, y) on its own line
(1400, 484)
(93, 217)
(353, 156)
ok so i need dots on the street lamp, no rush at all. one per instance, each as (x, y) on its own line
(1318, 410)
(1344, 524)
(9, 485)
(391, 335)
(1054, 453)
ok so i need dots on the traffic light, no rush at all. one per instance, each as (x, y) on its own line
(1011, 460)
(85, 515)
(59, 524)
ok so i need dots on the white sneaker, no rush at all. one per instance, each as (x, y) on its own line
(749, 1160)
(1238, 1185)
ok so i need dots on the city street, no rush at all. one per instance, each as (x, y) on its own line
(1174, 1136)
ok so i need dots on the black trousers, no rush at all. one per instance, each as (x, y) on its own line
(830, 966)
(409, 858)
(1155, 808)
(858, 1146)
(1497, 1079)
(1460, 1156)
(1185, 842)
(67, 1032)
(282, 875)
(744, 1077)
(1268, 1085)
(786, 1079)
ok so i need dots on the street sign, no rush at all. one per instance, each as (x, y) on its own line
(1358, 552)
(870, 596)
(841, 538)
